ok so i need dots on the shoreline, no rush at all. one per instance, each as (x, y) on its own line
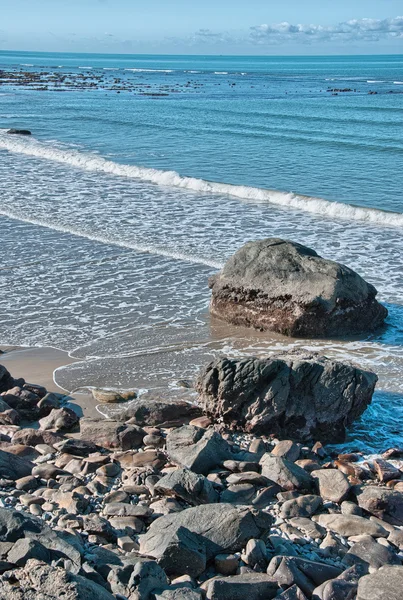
(39, 364)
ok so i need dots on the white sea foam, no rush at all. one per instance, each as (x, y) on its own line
(92, 162)
(398, 82)
(220, 72)
(150, 70)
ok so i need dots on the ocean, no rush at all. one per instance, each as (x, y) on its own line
(143, 174)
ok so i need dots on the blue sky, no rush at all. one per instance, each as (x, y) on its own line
(203, 27)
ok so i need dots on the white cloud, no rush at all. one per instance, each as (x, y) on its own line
(371, 30)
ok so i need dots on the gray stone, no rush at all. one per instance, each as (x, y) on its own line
(161, 413)
(287, 449)
(197, 449)
(24, 549)
(255, 555)
(296, 395)
(182, 553)
(369, 552)
(112, 435)
(285, 473)
(181, 593)
(333, 484)
(350, 525)
(188, 486)
(293, 593)
(384, 584)
(303, 506)
(13, 466)
(383, 503)
(306, 574)
(147, 576)
(343, 587)
(253, 586)
(59, 419)
(77, 447)
(226, 564)
(278, 285)
(224, 528)
(238, 494)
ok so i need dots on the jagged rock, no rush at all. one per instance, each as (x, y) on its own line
(197, 449)
(333, 484)
(188, 486)
(286, 449)
(286, 474)
(224, 528)
(296, 395)
(277, 285)
(112, 435)
(254, 586)
(7, 381)
(306, 574)
(77, 447)
(349, 525)
(147, 576)
(59, 419)
(293, 593)
(161, 413)
(37, 581)
(182, 553)
(24, 549)
(383, 503)
(384, 584)
(13, 466)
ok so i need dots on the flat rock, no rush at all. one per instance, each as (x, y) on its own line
(188, 486)
(254, 586)
(306, 574)
(112, 435)
(282, 286)
(384, 584)
(13, 466)
(295, 395)
(303, 506)
(197, 449)
(333, 484)
(161, 413)
(351, 525)
(383, 503)
(370, 553)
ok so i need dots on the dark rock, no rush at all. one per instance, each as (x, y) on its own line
(282, 286)
(19, 131)
(24, 549)
(333, 484)
(13, 466)
(384, 584)
(77, 447)
(344, 587)
(239, 494)
(254, 586)
(224, 528)
(6, 380)
(286, 474)
(182, 553)
(383, 503)
(147, 576)
(197, 449)
(188, 486)
(160, 413)
(296, 395)
(370, 553)
(59, 419)
(33, 437)
(306, 574)
(13, 525)
(293, 593)
(111, 434)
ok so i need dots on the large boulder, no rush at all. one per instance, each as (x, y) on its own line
(222, 527)
(384, 584)
(296, 395)
(282, 286)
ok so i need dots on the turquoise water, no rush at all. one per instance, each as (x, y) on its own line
(144, 173)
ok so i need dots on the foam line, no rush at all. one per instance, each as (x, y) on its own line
(92, 162)
(149, 249)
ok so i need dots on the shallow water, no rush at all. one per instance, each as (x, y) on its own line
(119, 207)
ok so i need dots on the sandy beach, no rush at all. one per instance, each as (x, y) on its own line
(37, 365)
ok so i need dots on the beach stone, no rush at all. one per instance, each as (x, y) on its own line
(112, 396)
(26, 484)
(255, 555)
(333, 484)
(112, 435)
(146, 577)
(182, 553)
(22, 451)
(13, 466)
(191, 487)
(33, 437)
(383, 503)
(46, 471)
(77, 447)
(350, 525)
(59, 419)
(121, 509)
(371, 553)
(303, 506)
(278, 285)
(285, 473)
(181, 593)
(350, 508)
(226, 564)
(254, 586)
(197, 449)
(130, 525)
(161, 413)
(224, 528)
(149, 458)
(238, 494)
(248, 477)
(343, 587)
(293, 593)
(384, 584)
(6, 380)
(385, 471)
(310, 528)
(306, 574)
(287, 449)
(38, 581)
(396, 538)
(293, 395)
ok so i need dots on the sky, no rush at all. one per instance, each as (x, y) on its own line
(251, 27)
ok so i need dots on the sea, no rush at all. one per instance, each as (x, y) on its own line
(144, 173)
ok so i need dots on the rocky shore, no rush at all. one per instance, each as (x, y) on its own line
(171, 503)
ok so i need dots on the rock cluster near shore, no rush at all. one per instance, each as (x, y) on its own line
(281, 286)
(103, 510)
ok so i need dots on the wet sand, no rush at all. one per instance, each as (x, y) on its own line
(37, 365)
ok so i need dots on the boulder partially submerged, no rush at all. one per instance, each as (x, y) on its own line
(282, 286)
(297, 396)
